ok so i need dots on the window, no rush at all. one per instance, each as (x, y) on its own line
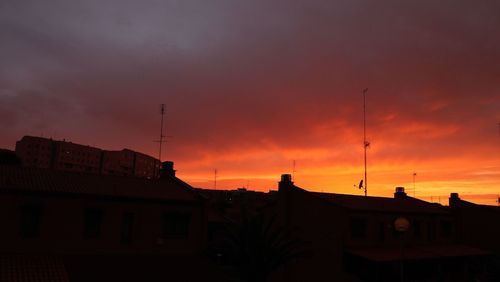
(445, 228)
(175, 225)
(381, 234)
(30, 217)
(92, 223)
(432, 231)
(127, 227)
(417, 228)
(358, 228)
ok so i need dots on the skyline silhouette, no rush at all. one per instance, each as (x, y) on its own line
(249, 87)
(82, 226)
(43, 152)
(318, 140)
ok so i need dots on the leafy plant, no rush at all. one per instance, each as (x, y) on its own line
(258, 246)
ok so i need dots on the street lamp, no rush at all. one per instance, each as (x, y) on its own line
(401, 225)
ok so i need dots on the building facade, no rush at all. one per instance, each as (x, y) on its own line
(477, 225)
(67, 156)
(90, 227)
(363, 238)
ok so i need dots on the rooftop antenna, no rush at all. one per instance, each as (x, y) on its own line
(414, 187)
(366, 144)
(293, 171)
(215, 179)
(162, 136)
(161, 141)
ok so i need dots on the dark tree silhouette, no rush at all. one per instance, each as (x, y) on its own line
(258, 246)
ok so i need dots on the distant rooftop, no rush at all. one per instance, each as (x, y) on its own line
(78, 144)
(371, 203)
(46, 181)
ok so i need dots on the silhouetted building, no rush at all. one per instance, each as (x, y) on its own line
(238, 203)
(229, 208)
(313, 220)
(67, 156)
(145, 166)
(118, 162)
(73, 157)
(364, 237)
(8, 157)
(36, 151)
(477, 225)
(90, 227)
(112, 226)
(129, 163)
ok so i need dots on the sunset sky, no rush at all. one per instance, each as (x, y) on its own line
(250, 86)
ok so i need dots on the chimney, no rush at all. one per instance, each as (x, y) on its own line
(286, 182)
(400, 193)
(167, 169)
(454, 199)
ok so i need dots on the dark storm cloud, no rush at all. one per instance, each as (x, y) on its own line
(247, 74)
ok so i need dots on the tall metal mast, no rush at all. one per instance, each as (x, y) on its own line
(215, 179)
(162, 112)
(414, 187)
(365, 143)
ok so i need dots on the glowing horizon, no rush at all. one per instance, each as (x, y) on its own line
(250, 87)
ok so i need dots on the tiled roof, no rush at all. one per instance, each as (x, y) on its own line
(147, 268)
(24, 179)
(485, 207)
(32, 268)
(406, 204)
(380, 254)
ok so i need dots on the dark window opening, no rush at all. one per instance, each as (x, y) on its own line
(446, 228)
(127, 227)
(216, 231)
(175, 225)
(358, 228)
(30, 221)
(92, 223)
(432, 231)
(381, 234)
(417, 228)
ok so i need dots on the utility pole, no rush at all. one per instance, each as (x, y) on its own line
(366, 144)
